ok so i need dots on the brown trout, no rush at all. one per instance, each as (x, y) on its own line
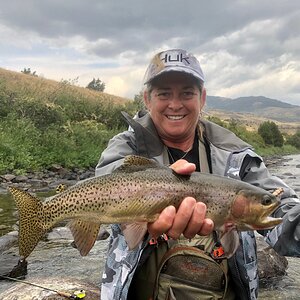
(135, 194)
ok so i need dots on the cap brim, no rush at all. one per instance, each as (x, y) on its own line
(177, 69)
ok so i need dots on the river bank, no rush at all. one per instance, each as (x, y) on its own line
(46, 180)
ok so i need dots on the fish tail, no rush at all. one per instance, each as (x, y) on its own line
(31, 227)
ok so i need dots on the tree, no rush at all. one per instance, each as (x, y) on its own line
(28, 72)
(96, 85)
(294, 139)
(271, 134)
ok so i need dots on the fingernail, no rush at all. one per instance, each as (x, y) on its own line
(170, 210)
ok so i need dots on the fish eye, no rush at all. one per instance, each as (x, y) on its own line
(266, 200)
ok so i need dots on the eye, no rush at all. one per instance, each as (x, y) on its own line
(188, 95)
(266, 200)
(163, 95)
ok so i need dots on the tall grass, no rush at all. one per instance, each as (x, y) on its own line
(43, 122)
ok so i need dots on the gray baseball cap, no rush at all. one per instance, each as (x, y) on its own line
(173, 60)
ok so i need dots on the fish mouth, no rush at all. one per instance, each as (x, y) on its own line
(261, 218)
(270, 208)
(265, 220)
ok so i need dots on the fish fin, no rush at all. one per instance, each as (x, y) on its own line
(31, 227)
(230, 241)
(84, 233)
(134, 233)
(134, 163)
(135, 160)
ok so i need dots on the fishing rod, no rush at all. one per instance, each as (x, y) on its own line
(76, 295)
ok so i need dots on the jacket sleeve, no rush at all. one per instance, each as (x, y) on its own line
(113, 156)
(284, 238)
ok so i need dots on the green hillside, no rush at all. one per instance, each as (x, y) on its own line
(44, 122)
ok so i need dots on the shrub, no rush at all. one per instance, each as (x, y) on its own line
(40, 113)
(75, 144)
(19, 140)
(294, 140)
(97, 85)
(271, 134)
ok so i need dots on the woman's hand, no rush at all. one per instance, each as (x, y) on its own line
(189, 219)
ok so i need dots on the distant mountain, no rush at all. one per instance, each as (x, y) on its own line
(257, 105)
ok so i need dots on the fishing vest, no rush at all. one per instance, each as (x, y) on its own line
(181, 269)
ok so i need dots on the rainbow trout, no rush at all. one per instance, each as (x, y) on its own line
(135, 194)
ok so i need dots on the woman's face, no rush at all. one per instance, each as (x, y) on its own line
(174, 105)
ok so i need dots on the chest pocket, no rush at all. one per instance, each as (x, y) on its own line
(187, 273)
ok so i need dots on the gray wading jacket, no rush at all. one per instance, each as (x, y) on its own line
(230, 157)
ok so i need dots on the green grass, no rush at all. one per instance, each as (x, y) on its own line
(271, 151)
(43, 122)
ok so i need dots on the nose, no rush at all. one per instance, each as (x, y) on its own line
(175, 103)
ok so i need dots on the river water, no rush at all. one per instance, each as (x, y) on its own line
(59, 260)
(8, 215)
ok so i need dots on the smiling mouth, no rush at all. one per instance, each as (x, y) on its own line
(175, 118)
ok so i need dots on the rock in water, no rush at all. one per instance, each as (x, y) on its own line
(8, 240)
(103, 234)
(270, 263)
(22, 291)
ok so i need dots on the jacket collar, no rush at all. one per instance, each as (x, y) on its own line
(150, 145)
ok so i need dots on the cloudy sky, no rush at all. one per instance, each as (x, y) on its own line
(246, 48)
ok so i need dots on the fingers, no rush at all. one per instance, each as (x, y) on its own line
(198, 224)
(183, 167)
(207, 227)
(163, 223)
(182, 218)
(189, 220)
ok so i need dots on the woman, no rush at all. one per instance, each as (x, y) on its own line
(173, 134)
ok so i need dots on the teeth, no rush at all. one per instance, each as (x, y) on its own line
(175, 117)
